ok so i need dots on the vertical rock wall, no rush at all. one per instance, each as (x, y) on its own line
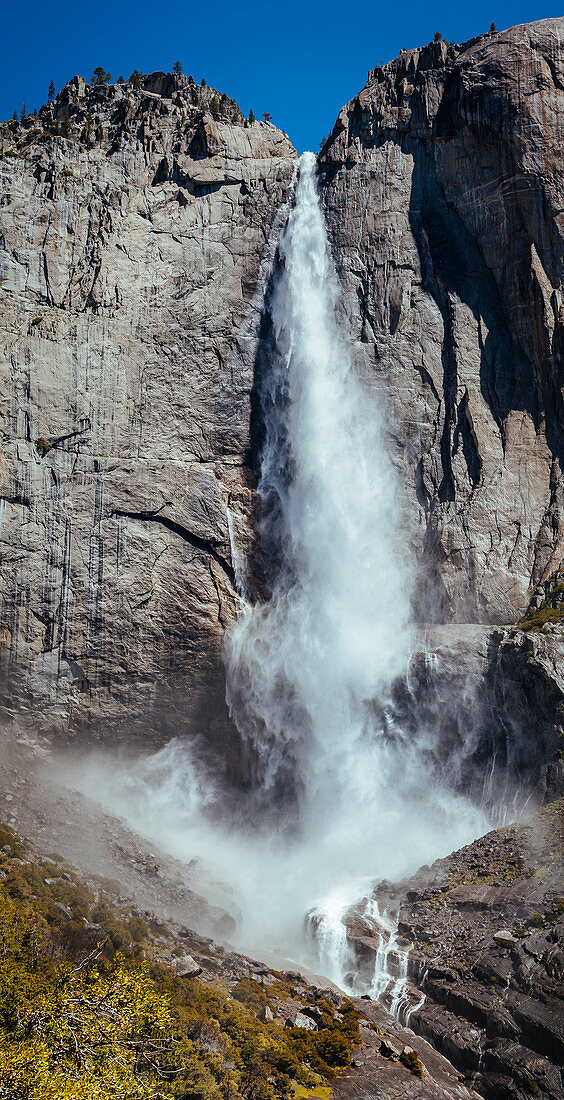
(444, 190)
(130, 254)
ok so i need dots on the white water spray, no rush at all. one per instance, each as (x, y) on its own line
(340, 796)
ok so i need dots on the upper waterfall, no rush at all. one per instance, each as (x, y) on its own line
(304, 668)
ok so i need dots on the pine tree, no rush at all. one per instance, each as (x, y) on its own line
(100, 76)
(135, 79)
(204, 85)
(51, 93)
(24, 111)
(438, 36)
(15, 116)
(493, 28)
(214, 105)
(121, 80)
(267, 116)
(251, 116)
(177, 67)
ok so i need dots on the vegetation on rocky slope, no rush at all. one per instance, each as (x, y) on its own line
(550, 609)
(79, 111)
(89, 1007)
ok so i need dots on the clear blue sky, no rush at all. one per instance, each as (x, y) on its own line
(301, 61)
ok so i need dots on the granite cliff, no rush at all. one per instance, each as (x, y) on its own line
(134, 225)
(137, 227)
(443, 191)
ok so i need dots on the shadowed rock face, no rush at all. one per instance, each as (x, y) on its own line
(130, 257)
(444, 189)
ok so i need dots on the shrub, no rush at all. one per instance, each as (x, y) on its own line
(138, 929)
(77, 1020)
(43, 446)
(250, 993)
(409, 1059)
(551, 610)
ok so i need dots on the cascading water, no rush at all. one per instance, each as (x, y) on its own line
(304, 668)
(341, 796)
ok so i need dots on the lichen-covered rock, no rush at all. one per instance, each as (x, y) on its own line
(444, 187)
(133, 229)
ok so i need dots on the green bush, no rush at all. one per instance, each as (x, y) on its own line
(411, 1061)
(551, 610)
(43, 446)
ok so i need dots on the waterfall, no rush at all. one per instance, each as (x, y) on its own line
(309, 671)
(340, 795)
(305, 667)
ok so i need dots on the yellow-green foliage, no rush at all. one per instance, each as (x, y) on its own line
(331, 1047)
(43, 445)
(411, 1061)
(79, 1021)
(67, 1032)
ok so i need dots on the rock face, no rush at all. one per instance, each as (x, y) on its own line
(491, 703)
(135, 220)
(137, 225)
(444, 190)
(485, 929)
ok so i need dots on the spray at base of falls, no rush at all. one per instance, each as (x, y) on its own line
(341, 795)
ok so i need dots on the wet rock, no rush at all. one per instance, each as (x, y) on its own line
(389, 1049)
(491, 978)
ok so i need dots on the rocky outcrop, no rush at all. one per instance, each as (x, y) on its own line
(443, 192)
(484, 927)
(490, 702)
(134, 224)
